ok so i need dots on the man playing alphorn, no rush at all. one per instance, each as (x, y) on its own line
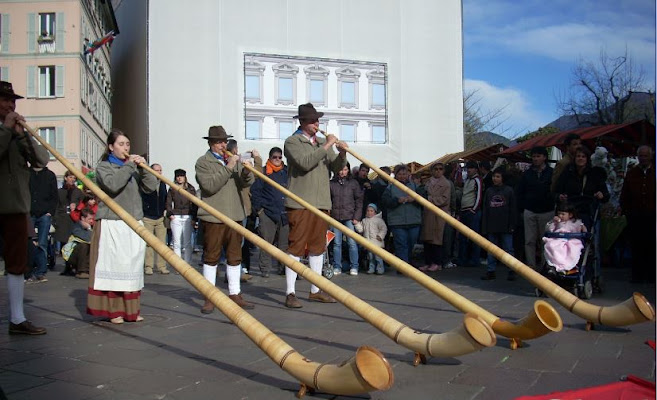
(220, 178)
(309, 161)
(16, 150)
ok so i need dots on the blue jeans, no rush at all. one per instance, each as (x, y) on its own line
(375, 262)
(471, 258)
(404, 238)
(502, 240)
(42, 225)
(337, 247)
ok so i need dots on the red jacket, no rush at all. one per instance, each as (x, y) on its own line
(75, 214)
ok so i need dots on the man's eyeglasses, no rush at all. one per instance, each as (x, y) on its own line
(276, 157)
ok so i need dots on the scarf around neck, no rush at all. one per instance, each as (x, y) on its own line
(271, 168)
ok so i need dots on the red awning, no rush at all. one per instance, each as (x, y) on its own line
(620, 140)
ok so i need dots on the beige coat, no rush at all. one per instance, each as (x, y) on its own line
(220, 187)
(439, 193)
(309, 167)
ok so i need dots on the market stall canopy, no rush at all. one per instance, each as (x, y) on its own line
(621, 140)
(488, 153)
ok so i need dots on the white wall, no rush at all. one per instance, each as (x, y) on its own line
(196, 68)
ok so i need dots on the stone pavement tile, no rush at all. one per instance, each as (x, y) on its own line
(497, 376)
(57, 390)
(8, 357)
(91, 374)
(643, 367)
(549, 361)
(104, 394)
(150, 382)
(549, 382)
(44, 366)
(12, 381)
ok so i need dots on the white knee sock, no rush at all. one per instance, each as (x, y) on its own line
(316, 263)
(16, 289)
(291, 277)
(210, 273)
(233, 273)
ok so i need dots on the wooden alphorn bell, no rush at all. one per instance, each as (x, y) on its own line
(367, 371)
(634, 310)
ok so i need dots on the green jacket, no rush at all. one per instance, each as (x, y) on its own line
(123, 183)
(309, 169)
(220, 187)
(15, 153)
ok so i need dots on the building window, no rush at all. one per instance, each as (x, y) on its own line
(348, 131)
(316, 84)
(50, 135)
(286, 83)
(47, 81)
(285, 129)
(253, 72)
(46, 27)
(377, 86)
(378, 133)
(253, 129)
(348, 87)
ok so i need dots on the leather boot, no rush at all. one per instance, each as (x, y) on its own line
(237, 298)
(208, 307)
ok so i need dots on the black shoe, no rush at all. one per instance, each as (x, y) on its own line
(25, 328)
(265, 274)
(489, 276)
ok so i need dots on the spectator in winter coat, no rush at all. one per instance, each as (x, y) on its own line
(470, 215)
(43, 192)
(404, 214)
(154, 205)
(269, 205)
(439, 194)
(637, 202)
(498, 220)
(347, 208)
(537, 203)
(373, 229)
(181, 212)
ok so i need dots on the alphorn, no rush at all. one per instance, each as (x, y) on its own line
(472, 335)
(634, 310)
(367, 371)
(542, 319)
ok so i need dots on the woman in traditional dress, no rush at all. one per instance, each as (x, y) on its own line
(117, 252)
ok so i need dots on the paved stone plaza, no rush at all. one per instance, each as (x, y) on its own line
(178, 353)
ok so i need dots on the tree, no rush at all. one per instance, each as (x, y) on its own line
(606, 92)
(544, 131)
(476, 120)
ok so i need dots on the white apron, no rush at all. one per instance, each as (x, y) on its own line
(120, 265)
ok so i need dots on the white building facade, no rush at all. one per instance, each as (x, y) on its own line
(386, 73)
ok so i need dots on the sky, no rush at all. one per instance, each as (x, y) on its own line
(520, 54)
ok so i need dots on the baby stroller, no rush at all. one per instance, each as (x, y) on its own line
(327, 269)
(583, 279)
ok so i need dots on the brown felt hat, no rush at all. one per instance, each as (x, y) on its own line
(217, 133)
(7, 90)
(307, 111)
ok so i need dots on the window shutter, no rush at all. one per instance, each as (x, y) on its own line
(59, 81)
(31, 32)
(5, 33)
(4, 73)
(31, 81)
(59, 35)
(59, 140)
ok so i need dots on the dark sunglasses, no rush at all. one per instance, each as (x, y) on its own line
(276, 157)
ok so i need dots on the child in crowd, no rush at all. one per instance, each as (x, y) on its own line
(76, 251)
(373, 229)
(498, 220)
(562, 253)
